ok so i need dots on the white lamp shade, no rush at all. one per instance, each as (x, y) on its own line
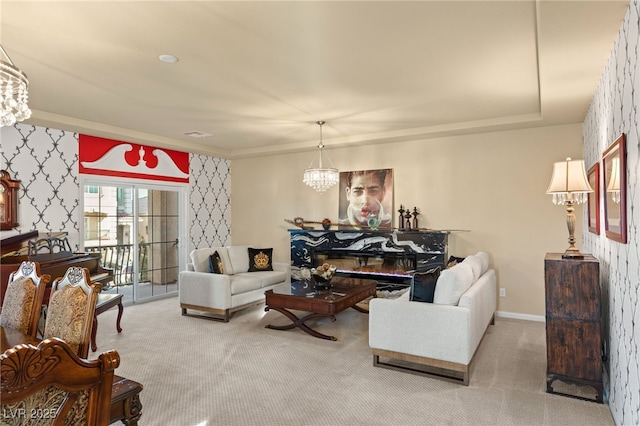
(614, 181)
(569, 176)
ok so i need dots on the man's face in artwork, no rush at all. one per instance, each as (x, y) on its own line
(365, 195)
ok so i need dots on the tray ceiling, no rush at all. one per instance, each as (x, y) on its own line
(254, 77)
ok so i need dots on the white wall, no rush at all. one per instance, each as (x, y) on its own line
(492, 184)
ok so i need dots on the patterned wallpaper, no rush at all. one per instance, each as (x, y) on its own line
(210, 202)
(45, 161)
(615, 109)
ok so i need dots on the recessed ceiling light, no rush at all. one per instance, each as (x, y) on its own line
(169, 59)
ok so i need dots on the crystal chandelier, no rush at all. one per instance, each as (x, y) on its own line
(321, 178)
(14, 92)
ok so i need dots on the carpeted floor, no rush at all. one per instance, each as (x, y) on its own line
(199, 372)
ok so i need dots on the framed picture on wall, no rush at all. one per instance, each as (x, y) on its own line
(593, 199)
(8, 201)
(366, 199)
(614, 172)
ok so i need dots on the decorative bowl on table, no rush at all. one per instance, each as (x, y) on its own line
(322, 276)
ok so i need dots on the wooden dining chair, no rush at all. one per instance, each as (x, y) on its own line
(71, 309)
(49, 384)
(23, 298)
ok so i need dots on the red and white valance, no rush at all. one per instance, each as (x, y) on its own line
(108, 157)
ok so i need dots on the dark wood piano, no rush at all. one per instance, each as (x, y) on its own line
(54, 254)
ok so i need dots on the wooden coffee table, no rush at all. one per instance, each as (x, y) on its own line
(301, 296)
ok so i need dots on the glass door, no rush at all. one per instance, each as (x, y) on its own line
(136, 230)
(158, 239)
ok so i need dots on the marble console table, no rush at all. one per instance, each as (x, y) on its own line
(427, 248)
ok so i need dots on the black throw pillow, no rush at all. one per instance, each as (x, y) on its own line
(423, 286)
(453, 261)
(260, 259)
(215, 263)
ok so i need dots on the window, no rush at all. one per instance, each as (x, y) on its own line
(136, 230)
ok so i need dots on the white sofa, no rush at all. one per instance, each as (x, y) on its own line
(437, 338)
(217, 296)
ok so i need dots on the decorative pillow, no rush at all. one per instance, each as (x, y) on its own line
(452, 283)
(476, 266)
(238, 258)
(260, 259)
(215, 263)
(484, 260)
(423, 285)
(453, 261)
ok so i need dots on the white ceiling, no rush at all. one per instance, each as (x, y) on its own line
(257, 76)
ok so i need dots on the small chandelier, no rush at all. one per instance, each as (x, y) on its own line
(14, 92)
(321, 178)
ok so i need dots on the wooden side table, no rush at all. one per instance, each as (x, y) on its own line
(573, 323)
(104, 303)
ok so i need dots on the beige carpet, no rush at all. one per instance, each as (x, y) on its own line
(199, 372)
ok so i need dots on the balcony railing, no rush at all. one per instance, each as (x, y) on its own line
(120, 258)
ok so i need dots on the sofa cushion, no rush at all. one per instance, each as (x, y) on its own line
(260, 259)
(484, 260)
(244, 282)
(239, 256)
(266, 278)
(248, 281)
(423, 285)
(452, 283)
(215, 263)
(200, 259)
(476, 266)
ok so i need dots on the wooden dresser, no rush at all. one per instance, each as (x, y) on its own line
(573, 322)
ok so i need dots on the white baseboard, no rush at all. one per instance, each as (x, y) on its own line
(515, 315)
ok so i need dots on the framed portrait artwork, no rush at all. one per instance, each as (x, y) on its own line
(366, 199)
(614, 172)
(593, 199)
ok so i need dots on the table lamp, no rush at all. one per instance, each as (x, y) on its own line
(569, 185)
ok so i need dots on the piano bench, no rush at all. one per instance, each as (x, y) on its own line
(125, 401)
(104, 303)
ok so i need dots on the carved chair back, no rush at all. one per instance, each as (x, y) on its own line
(49, 384)
(23, 298)
(72, 306)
